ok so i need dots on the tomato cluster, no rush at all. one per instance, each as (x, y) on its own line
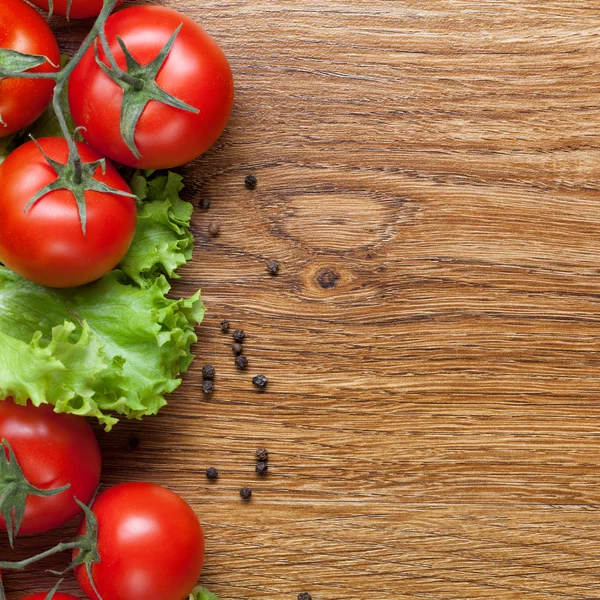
(154, 92)
(149, 541)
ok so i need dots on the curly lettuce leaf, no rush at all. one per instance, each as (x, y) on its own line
(202, 594)
(114, 347)
(162, 241)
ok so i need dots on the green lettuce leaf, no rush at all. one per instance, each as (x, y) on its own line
(202, 594)
(114, 347)
(162, 241)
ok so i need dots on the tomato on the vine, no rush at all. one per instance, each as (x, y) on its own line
(23, 30)
(150, 542)
(80, 9)
(46, 243)
(53, 450)
(195, 73)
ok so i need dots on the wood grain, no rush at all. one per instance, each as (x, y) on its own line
(428, 179)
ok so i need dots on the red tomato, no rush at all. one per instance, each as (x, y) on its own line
(53, 450)
(150, 542)
(22, 101)
(80, 9)
(196, 72)
(46, 243)
(44, 595)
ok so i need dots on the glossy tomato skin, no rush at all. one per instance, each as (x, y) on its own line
(22, 101)
(53, 450)
(196, 71)
(46, 244)
(151, 545)
(80, 9)
(44, 595)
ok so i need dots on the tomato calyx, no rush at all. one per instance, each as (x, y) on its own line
(86, 545)
(139, 85)
(78, 178)
(13, 63)
(14, 489)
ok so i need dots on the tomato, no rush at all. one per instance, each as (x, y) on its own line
(150, 542)
(80, 9)
(196, 72)
(23, 30)
(46, 243)
(53, 450)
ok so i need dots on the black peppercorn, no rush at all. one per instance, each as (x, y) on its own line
(241, 362)
(225, 325)
(273, 267)
(262, 455)
(251, 182)
(208, 387)
(134, 442)
(214, 228)
(212, 473)
(208, 372)
(262, 468)
(237, 348)
(304, 596)
(246, 493)
(239, 335)
(260, 381)
(204, 203)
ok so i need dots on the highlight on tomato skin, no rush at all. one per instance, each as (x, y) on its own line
(150, 542)
(80, 9)
(53, 450)
(22, 101)
(46, 243)
(195, 72)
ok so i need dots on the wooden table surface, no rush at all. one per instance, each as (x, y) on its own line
(429, 180)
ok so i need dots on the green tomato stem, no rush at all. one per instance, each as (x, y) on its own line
(62, 78)
(22, 564)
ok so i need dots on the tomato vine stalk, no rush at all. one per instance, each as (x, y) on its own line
(61, 78)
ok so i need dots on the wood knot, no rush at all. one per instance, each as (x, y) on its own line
(328, 278)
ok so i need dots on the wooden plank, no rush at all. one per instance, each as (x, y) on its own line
(428, 179)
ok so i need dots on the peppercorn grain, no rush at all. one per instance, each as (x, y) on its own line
(273, 267)
(241, 362)
(208, 387)
(262, 455)
(246, 493)
(251, 182)
(262, 468)
(134, 442)
(208, 372)
(239, 335)
(212, 473)
(260, 381)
